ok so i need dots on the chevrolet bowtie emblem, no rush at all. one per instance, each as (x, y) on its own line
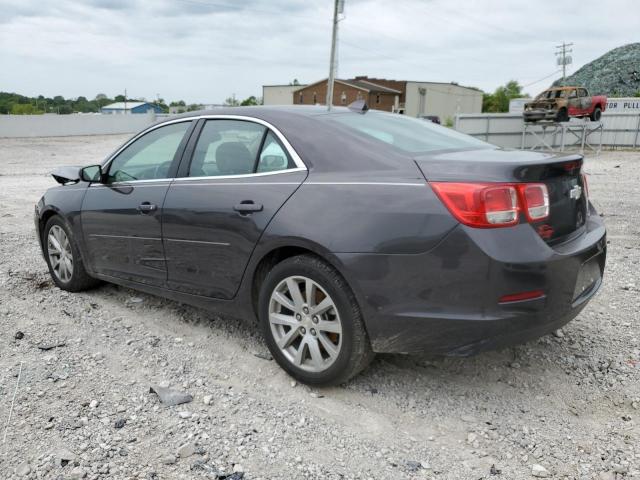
(575, 192)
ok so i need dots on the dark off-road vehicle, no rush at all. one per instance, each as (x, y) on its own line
(558, 104)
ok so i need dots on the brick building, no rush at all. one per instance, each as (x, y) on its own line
(377, 96)
(412, 98)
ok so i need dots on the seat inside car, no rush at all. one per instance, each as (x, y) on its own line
(234, 158)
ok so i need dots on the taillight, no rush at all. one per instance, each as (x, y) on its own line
(491, 205)
(480, 205)
(536, 200)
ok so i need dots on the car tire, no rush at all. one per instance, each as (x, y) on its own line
(309, 347)
(597, 113)
(63, 257)
(562, 115)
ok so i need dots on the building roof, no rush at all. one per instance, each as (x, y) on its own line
(451, 84)
(370, 86)
(299, 85)
(360, 85)
(121, 105)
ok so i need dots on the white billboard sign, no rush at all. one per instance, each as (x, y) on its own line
(623, 105)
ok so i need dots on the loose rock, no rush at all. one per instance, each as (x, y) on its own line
(186, 450)
(170, 397)
(539, 471)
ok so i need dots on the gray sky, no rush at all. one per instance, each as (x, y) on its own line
(205, 50)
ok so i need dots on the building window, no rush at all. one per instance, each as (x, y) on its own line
(301, 98)
(343, 98)
(315, 98)
(378, 98)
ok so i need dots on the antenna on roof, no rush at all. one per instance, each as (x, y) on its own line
(359, 106)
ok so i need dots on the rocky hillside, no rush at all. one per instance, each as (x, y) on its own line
(616, 73)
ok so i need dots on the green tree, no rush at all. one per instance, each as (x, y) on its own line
(65, 109)
(249, 101)
(101, 100)
(231, 102)
(294, 82)
(498, 101)
(24, 109)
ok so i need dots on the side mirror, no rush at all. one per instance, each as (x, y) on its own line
(92, 173)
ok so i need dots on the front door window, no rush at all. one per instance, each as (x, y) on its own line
(150, 156)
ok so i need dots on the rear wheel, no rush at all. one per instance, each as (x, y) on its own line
(63, 257)
(312, 323)
(597, 113)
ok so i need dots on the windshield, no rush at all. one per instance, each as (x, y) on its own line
(551, 94)
(408, 134)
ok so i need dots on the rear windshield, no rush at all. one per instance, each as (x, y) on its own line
(408, 134)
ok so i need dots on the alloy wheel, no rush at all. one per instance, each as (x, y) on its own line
(60, 253)
(305, 323)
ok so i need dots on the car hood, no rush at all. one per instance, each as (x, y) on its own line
(541, 104)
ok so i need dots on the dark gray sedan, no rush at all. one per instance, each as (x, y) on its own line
(344, 233)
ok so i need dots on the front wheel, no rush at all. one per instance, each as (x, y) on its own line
(63, 257)
(312, 323)
(597, 113)
(562, 115)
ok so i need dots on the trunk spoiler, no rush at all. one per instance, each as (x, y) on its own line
(64, 175)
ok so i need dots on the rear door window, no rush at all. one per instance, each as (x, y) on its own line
(226, 147)
(237, 147)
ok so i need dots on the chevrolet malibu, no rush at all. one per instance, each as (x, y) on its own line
(343, 233)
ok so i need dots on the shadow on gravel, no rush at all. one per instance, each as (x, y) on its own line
(535, 359)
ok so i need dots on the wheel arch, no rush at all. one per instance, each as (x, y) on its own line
(277, 252)
(44, 217)
(51, 211)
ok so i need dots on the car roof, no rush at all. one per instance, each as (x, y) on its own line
(264, 111)
(321, 145)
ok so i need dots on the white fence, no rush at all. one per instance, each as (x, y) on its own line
(74, 124)
(506, 130)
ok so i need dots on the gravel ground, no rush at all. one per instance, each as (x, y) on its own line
(566, 406)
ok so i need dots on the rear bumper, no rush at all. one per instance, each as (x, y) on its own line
(446, 301)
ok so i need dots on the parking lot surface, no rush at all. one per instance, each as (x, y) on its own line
(565, 406)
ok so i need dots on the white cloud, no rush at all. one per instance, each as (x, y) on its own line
(205, 50)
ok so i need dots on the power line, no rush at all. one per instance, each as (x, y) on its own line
(543, 78)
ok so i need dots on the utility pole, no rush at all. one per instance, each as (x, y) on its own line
(563, 58)
(338, 8)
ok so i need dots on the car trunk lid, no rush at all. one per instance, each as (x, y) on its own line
(568, 205)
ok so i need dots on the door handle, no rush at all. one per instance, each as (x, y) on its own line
(146, 207)
(246, 207)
